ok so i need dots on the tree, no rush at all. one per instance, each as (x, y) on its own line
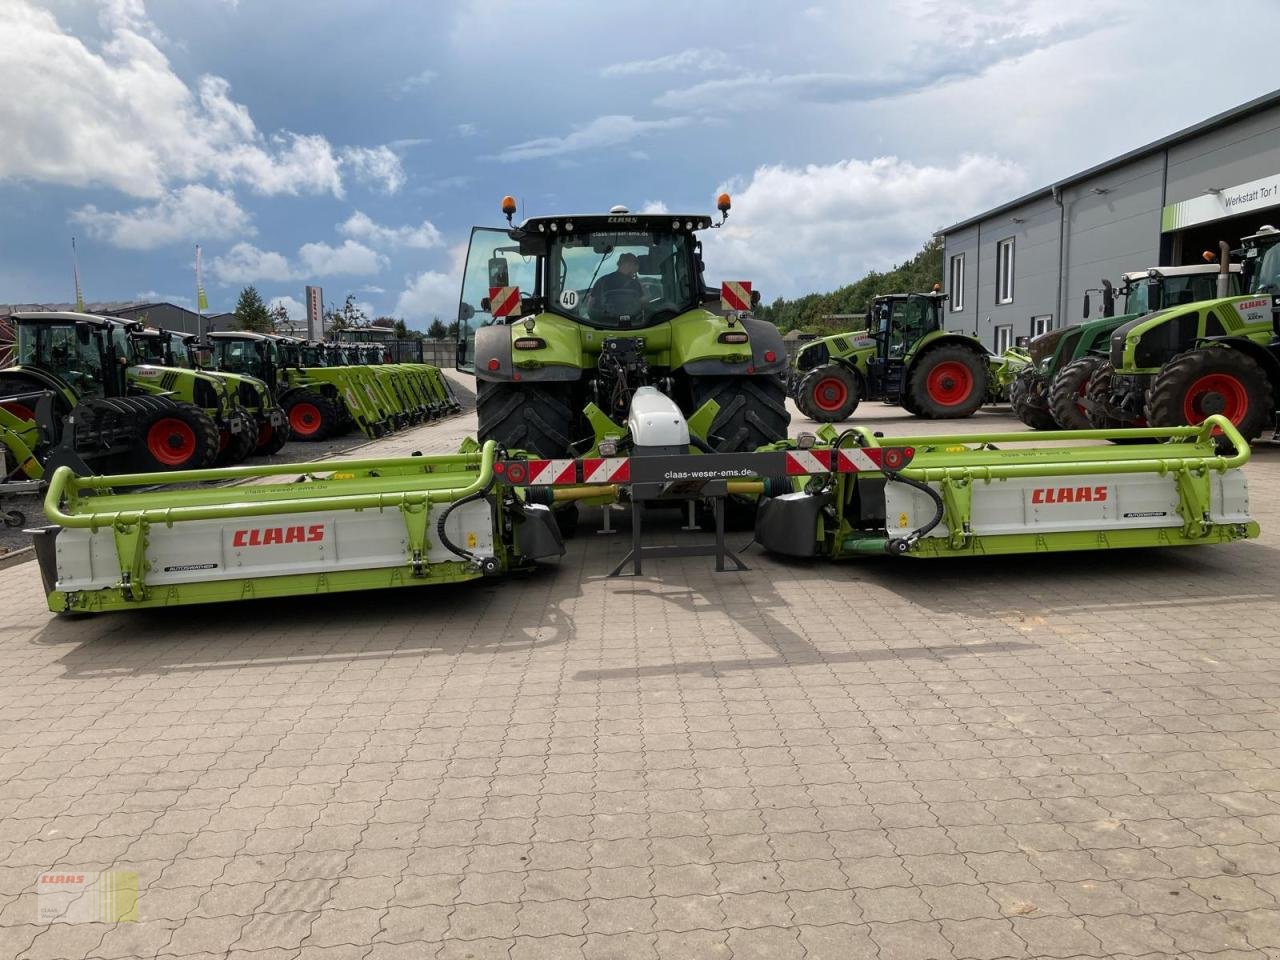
(348, 318)
(917, 275)
(437, 330)
(280, 317)
(251, 313)
(401, 330)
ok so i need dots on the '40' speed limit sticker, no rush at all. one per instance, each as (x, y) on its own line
(569, 299)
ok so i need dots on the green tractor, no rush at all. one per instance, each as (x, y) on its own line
(1049, 393)
(248, 421)
(564, 318)
(1185, 362)
(76, 396)
(904, 356)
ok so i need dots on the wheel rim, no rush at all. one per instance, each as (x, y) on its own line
(949, 383)
(264, 435)
(224, 437)
(1216, 393)
(171, 441)
(1081, 392)
(304, 418)
(830, 394)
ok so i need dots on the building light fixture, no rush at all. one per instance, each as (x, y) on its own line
(1101, 191)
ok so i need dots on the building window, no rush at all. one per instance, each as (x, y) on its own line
(955, 284)
(1004, 271)
(1041, 324)
(1004, 337)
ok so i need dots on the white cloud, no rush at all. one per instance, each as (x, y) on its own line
(293, 307)
(371, 288)
(417, 81)
(795, 230)
(466, 130)
(322, 260)
(189, 214)
(245, 263)
(362, 227)
(378, 167)
(654, 206)
(427, 295)
(694, 58)
(609, 131)
(117, 115)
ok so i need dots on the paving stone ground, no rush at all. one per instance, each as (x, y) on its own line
(1062, 756)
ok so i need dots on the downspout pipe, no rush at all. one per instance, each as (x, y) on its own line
(1062, 224)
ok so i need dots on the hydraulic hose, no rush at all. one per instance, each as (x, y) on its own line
(901, 545)
(487, 565)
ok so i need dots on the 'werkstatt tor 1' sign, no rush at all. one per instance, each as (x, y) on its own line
(1228, 202)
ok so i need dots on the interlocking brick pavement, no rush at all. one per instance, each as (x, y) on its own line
(1061, 756)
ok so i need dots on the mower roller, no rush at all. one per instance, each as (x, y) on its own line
(380, 523)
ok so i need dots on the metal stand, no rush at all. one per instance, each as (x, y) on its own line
(691, 523)
(639, 552)
(606, 520)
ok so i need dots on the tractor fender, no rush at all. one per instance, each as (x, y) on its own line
(494, 343)
(1266, 359)
(764, 340)
(42, 378)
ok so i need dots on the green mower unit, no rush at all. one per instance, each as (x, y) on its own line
(1183, 363)
(904, 356)
(76, 396)
(117, 544)
(563, 318)
(1050, 392)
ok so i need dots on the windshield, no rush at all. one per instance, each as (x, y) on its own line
(1266, 278)
(56, 348)
(150, 348)
(621, 279)
(1175, 291)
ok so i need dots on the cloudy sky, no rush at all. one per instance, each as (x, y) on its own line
(352, 143)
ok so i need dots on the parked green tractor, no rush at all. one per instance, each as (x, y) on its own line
(563, 318)
(1049, 393)
(76, 396)
(904, 356)
(1185, 362)
(248, 421)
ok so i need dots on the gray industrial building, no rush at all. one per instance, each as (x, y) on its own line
(1023, 267)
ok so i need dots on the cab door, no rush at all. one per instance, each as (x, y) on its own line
(492, 261)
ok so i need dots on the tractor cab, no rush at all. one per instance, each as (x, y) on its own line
(614, 272)
(88, 353)
(250, 354)
(898, 322)
(162, 348)
(1262, 268)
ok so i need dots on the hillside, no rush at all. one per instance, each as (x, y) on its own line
(918, 274)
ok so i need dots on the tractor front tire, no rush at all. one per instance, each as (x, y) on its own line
(241, 443)
(828, 394)
(1070, 389)
(753, 411)
(948, 382)
(1028, 402)
(179, 436)
(271, 437)
(1211, 380)
(311, 416)
(537, 418)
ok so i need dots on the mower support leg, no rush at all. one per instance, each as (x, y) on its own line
(714, 549)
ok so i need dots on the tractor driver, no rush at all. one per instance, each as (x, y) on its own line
(624, 279)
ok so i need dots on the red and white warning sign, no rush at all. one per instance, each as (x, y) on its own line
(546, 472)
(504, 301)
(855, 460)
(802, 462)
(735, 295)
(606, 470)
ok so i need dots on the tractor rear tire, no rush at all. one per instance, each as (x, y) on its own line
(312, 416)
(537, 418)
(1098, 393)
(238, 444)
(1210, 380)
(753, 411)
(828, 394)
(948, 382)
(179, 436)
(1028, 402)
(1069, 388)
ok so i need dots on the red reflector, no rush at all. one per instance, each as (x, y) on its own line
(751, 369)
(529, 343)
(770, 356)
(494, 364)
(499, 467)
(515, 376)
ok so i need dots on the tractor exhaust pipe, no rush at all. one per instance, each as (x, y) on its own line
(1224, 269)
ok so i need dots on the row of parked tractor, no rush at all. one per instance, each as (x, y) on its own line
(1188, 342)
(105, 395)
